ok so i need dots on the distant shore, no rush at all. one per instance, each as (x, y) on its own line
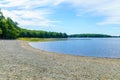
(20, 61)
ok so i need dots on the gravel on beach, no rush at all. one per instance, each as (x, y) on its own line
(19, 61)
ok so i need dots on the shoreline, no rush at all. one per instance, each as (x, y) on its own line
(20, 61)
(27, 44)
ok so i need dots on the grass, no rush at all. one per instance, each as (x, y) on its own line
(41, 39)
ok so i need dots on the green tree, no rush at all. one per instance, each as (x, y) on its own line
(8, 28)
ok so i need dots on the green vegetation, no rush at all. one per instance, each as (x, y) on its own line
(42, 39)
(41, 34)
(10, 30)
(90, 35)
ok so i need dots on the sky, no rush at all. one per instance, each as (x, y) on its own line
(69, 16)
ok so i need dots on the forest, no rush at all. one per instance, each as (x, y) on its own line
(10, 30)
(41, 34)
(90, 35)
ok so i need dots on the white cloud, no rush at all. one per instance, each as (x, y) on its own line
(110, 9)
(112, 12)
(29, 17)
(38, 12)
(25, 12)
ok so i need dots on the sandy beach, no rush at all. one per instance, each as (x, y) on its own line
(19, 61)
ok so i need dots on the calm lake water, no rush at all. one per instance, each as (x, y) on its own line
(96, 47)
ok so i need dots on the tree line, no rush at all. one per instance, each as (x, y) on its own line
(90, 35)
(41, 34)
(10, 30)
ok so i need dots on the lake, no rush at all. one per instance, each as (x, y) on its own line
(95, 47)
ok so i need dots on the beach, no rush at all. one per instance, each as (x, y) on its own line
(20, 61)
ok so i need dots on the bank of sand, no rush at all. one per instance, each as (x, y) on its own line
(19, 61)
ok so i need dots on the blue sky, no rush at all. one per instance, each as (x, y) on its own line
(70, 16)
